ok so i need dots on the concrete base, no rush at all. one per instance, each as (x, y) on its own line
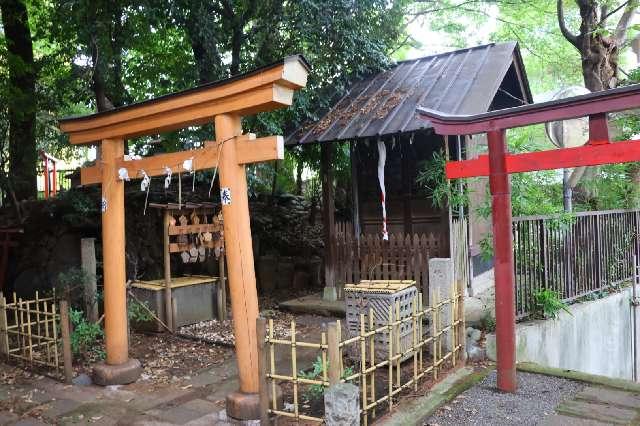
(243, 406)
(121, 374)
(330, 294)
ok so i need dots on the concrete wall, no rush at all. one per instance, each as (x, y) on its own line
(596, 338)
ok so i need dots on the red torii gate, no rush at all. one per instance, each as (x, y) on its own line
(499, 164)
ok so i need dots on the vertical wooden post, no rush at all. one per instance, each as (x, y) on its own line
(113, 248)
(4, 334)
(66, 341)
(168, 306)
(355, 196)
(88, 260)
(504, 274)
(261, 333)
(328, 220)
(242, 277)
(222, 289)
(333, 350)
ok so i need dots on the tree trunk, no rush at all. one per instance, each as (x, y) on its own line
(23, 105)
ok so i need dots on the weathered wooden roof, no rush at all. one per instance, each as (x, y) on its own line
(463, 81)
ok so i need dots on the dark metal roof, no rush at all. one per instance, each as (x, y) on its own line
(459, 82)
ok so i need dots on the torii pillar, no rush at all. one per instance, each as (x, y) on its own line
(499, 164)
(224, 103)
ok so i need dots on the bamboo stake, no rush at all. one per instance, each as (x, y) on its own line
(415, 343)
(454, 342)
(390, 359)
(334, 354)
(4, 336)
(399, 350)
(372, 361)
(273, 364)
(294, 370)
(55, 337)
(29, 335)
(323, 342)
(363, 369)
(261, 325)
(434, 332)
(46, 330)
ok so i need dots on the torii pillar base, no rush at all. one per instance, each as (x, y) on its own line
(243, 406)
(120, 374)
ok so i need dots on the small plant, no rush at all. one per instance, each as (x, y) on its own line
(85, 335)
(316, 391)
(486, 248)
(548, 304)
(488, 323)
(139, 311)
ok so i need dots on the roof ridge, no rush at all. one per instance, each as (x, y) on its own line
(464, 49)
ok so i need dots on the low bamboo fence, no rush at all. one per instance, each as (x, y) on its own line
(383, 376)
(34, 334)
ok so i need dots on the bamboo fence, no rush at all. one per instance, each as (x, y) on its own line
(437, 339)
(31, 334)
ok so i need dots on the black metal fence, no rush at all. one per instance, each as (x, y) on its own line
(574, 254)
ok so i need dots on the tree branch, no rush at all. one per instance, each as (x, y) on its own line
(572, 38)
(625, 20)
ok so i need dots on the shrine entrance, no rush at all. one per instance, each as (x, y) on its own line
(498, 164)
(222, 103)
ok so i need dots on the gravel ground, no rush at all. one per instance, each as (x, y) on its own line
(537, 397)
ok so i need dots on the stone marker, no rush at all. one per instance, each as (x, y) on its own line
(342, 405)
(441, 278)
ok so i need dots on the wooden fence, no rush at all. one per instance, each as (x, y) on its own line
(403, 257)
(573, 254)
(436, 343)
(35, 334)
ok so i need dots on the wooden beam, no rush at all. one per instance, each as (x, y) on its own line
(263, 149)
(263, 98)
(250, 150)
(587, 155)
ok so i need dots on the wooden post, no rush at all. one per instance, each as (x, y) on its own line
(66, 341)
(222, 289)
(328, 220)
(4, 334)
(504, 274)
(242, 277)
(113, 248)
(168, 306)
(333, 349)
(88, 260)
(355, 196)
(261, 332)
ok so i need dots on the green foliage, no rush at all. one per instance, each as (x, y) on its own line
(547, 304)
(71, 280)
(486, 248)
(138, 311)
(85, 335)
(434, 182)
(488, 323)
(316, 373)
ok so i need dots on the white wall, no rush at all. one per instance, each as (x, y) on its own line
(595, 338)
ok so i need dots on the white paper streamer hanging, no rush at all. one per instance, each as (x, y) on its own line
(146, 180)
(382, 159)
(167, 180)
(123, 173)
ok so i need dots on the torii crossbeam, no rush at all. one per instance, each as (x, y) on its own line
(499, 164)
(222, 103)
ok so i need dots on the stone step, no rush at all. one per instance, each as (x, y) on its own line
(595, 411)
(610, 396)
(560, 420)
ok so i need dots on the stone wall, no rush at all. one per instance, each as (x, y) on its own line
(596, 338)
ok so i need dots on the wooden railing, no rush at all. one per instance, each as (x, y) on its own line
(403, 257)
(573, 254)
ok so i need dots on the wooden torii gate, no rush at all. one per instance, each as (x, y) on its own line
(222, 103)
(498, 164)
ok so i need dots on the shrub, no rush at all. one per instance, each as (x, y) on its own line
(547, 304)
(85, 335)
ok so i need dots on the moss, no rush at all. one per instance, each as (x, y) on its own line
(626, 385)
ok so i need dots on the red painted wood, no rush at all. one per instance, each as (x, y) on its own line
(621, 99)
(503, 262)
(587, 155)
(598, 129)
